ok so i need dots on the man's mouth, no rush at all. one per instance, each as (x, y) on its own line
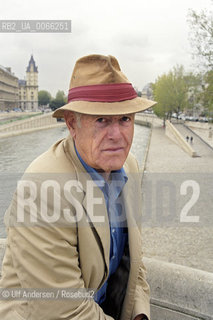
(113, 150)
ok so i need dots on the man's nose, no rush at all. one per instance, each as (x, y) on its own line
(114, 130)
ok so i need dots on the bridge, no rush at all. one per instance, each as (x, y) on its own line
(10, 125)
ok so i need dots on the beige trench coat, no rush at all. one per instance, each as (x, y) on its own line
(58, 256)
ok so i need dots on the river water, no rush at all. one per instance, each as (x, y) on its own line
(17, 152)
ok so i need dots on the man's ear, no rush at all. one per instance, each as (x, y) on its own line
(70, 122)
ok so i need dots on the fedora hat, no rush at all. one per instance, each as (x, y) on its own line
(98, 87)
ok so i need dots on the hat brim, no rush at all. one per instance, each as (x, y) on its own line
(105, 108)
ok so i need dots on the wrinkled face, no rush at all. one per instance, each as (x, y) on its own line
(103, 142)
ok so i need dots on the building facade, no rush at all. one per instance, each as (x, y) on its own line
(28, 89)
(8, 89)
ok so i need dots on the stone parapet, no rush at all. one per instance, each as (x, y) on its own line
(179, 292)
(40, 122)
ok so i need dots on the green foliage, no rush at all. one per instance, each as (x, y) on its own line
(59, 100)
(160, 91)
(170, 91)
(44, 97)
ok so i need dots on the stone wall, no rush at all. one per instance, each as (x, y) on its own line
(39, 122)
(179, 292)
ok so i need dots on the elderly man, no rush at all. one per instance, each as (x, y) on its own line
(77, 227)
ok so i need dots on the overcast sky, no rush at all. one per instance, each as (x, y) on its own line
(147, 37)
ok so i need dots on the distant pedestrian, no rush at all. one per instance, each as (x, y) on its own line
(187, 138)
(210, 132)
(191, 139)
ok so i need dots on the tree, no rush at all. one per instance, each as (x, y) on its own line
(170, 91)
(44, 97)
(201, 35)
(59, 100)
(161, 88)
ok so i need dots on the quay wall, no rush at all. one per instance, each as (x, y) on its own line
(34, 123)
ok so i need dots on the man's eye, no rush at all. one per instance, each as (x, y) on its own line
(125, 119)
(100, 120)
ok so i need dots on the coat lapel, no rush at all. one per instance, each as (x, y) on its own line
(93, 203)
(97, 217)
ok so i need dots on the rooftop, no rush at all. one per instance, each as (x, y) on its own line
(32, 62)
(22, 82)
(7, 70)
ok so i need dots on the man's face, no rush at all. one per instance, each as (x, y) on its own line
(103, 142)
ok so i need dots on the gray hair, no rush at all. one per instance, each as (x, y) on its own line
(77, 116)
